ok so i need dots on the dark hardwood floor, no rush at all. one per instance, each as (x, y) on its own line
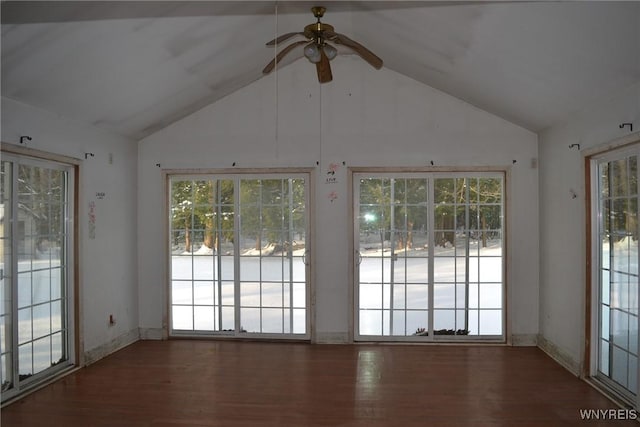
(220, 383)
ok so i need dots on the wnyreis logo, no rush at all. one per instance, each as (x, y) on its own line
(608, 414)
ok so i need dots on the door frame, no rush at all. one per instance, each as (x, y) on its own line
(506, 224)
(591, 157)
(244, 173)
(74, 342)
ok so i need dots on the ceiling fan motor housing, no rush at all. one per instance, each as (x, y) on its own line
(316, 31)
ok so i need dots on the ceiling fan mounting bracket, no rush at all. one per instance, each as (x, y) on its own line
(318, 11)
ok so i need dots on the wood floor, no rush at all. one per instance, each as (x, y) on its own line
(204, 383)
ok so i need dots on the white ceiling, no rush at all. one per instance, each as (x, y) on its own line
(136, 67)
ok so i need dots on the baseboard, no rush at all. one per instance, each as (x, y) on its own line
(112, 346)
(560, 356)
(153, 334)
(332, 338)
(524, 340)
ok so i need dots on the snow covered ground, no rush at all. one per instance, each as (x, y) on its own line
(39, 315)
(194, 285)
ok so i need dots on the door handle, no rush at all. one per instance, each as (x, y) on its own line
(359, 260)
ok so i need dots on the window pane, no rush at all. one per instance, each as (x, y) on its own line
(370, 296)
(620, 366)
(619, 174)
(299, 321)
(25, 360)
(444, 296)
(203, 293)
(250, 294)
(490, 322)
(250, 320)
(490, 295)
(182, 292)
(272, 321)
(417, 297)
(57, 348)
(371, 322)
(490, 190)
(299, 295)
(41, 281)
(41, 354)
(182, 317)
(25, 326)
(204, 318)
(604, 357)
(444, 269)
(57, 323)
(41, 320)
(272, 295)
(417, 320)
(24, 289)
(444, 320)
(203, 265)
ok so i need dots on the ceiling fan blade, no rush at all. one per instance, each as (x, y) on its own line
(283, 37)
(324, 69)
(271, 65)
(365, 53)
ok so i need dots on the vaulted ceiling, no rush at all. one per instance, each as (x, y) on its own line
(135, 67)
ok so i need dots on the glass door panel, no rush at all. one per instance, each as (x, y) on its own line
(392, 250)
(7, 318)
(238, 255)
(272, 256)
(202, 251)
(617, 277)
(42, 237)
(429, 256)
(35, 284)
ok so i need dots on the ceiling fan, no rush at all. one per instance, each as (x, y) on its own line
(317, 49)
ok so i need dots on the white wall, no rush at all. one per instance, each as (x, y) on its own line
(562, 218)
(108, 270)
(367, 118)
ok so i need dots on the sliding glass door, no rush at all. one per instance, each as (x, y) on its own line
(615, 192)
(239, 258)
(35, 271)
(429, 256)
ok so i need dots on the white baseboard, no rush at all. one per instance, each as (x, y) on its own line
(332, 338)
(112, 346)
(560, 356)
(155, 334)
(524, 340)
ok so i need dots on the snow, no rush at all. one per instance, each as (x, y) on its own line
(204, 250)
(270, 283)
(620, 290)
(40, 321)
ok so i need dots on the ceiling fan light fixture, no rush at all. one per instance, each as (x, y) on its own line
(317, 50)
(312, 52)
(330, 51)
